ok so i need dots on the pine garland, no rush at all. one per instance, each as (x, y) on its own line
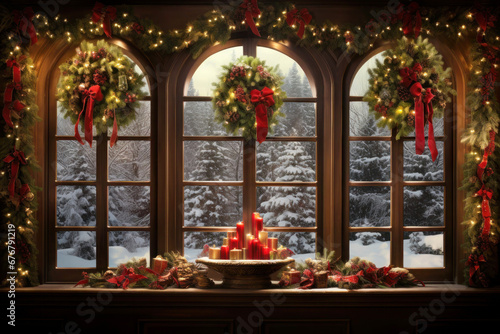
(217, 26)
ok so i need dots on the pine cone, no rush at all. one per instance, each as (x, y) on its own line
(434, 77)
(404, 93)
(410, 120)
(385, 94)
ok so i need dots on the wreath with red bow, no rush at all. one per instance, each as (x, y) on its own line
(410, 88)
(99, 87)
(248, 97)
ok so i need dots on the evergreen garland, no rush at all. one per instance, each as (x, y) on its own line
(232, 100)
(390, 101)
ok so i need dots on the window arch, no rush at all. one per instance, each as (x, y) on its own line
(398, 205)
(101, 200)
(252, 180)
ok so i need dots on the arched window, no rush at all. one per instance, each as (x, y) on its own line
(101, 200)
(399, 208)
(227, 178)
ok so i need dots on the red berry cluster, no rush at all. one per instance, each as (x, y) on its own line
(131, 98)
(237, 71)
(381, 109)
(240, 94)
(263, 73)
(99, 77)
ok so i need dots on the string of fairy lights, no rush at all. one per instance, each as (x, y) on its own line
(216, 27)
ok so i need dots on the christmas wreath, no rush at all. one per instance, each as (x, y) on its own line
(100, 87)
(248, 96)
(406, 87)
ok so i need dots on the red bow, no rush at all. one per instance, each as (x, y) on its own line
(24, 23)
(474, 265)
(16, 159)
(85, 279)
(487, 152)
(412, 21)
(126, 278)
(8, 108)
(91, 95)
(16, 69)
(307, 281)
(251, 10)
(106, 14)
(262, 99)
(303, 18)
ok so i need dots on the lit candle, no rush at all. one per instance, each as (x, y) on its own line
(272, 243)
(265, 253)
(224, 252)
(233, 243)
(159, 264)
(235, 254)
(263, 238)
(214, 253)
(257, 224)
(240, 234)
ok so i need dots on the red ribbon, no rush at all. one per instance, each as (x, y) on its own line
(10, 105)
(16, 68)
(412, 21)
(302, 18)
(16, 159)
(487, 152)
(91, 95)
(251, 10)
(486, 194)
(23, 192)
(84, 281)
(106, 14)
(127, 277)
(307, 281)
(262, 99)
(24, 22)
(431, 142)
(474, 265)
(114, 135)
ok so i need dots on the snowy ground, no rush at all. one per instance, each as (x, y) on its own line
(378, 253)
(117, 255)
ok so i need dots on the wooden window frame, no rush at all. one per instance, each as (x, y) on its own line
(397, 184)
(53, 274)
(249, 181)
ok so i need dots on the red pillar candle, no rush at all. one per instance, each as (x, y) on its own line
(233, 243)
(255, 249)
(240, 234)
(257, 224)
(249, 246)
(224, 253)
(265, 253)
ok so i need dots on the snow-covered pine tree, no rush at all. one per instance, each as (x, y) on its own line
(292, 206)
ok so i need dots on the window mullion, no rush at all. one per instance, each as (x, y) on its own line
(249, 183)
(397, 201)
(102, 203)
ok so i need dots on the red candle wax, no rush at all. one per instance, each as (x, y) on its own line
(265, 253)
(233, 243)
(249, 246)
(240, 234)
(254, 223)
(224, 253)
(259, 225)
(255, 249)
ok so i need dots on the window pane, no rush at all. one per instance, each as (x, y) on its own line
(129, 206)
(129, 161)
(362, 123)
(369, 206)
(213, 160)
(286, 161)
(76, 249)
(76, 205)
(212, 206)
(209, 71)
(423, 206)
(123, 246)
(287, 206)
(370, 160)
(141, 125)
(360, 84)
(65, 127)
(371, 246)
(299, 120)
(421, 167)
(137, 69)
(75, 162)
(296, 83)
(194, 242)
(303, 244)
(199, 120)
(423, 249)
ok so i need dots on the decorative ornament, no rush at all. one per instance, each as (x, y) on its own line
(91, 89)
(411, 80)
(248, 98)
